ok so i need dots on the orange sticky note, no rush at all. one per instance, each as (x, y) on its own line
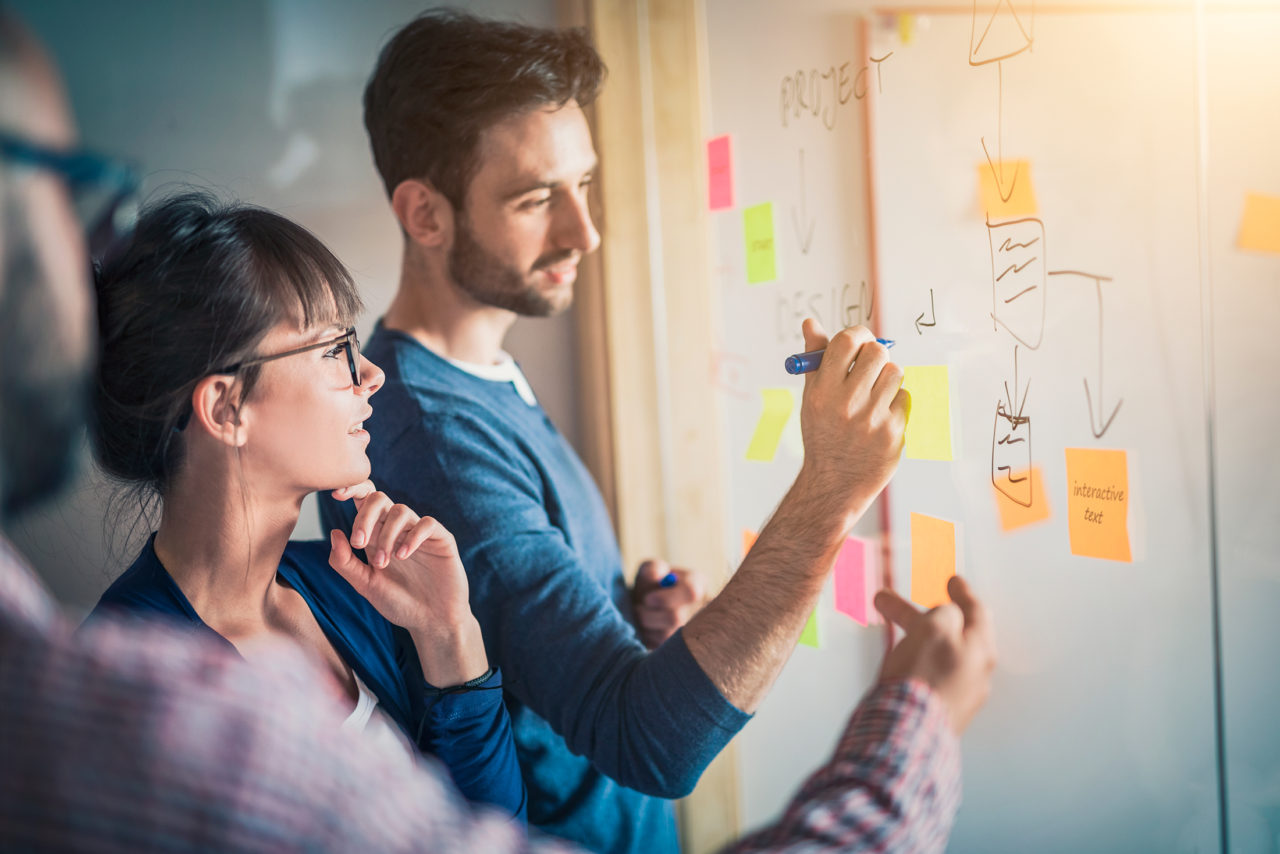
(748, 540)
(1013, 513)
(1260, 223)
(809, 637)
(1005, 189)
(933, 559)
(1098, 503)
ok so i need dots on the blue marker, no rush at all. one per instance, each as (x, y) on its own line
(668, 580)
(803, 363)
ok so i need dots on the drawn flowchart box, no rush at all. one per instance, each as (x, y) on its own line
(1011, 470)
(1018, 278)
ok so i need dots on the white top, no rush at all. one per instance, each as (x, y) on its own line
(367, 719)
(504, 371)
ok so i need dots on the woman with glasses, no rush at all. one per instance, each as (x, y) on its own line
(230, 386)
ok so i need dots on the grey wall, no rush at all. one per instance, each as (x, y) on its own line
(259, 99)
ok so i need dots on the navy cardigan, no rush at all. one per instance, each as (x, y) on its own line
(468, 731)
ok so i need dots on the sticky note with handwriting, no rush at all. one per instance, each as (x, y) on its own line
(929, 425)
(778, 403)
(1098, 503)
(757, 230)
(933, 559)
(720, 173)
(1005, 190)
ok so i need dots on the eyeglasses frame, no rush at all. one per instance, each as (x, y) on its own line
(353, 355)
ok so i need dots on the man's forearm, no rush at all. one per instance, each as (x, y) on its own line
(744, 636)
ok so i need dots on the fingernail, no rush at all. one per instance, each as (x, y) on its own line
(357, 539)
(403, 553)
(381, 558)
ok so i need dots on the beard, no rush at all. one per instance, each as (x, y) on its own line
(489, 281)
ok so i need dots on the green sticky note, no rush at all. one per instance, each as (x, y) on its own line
(757, 228)
(809, 637)
(778, 403)
(929, 425)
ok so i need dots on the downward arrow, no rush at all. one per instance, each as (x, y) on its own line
(803, 235)
(1101, 422)
(933, 316)
(997, 172)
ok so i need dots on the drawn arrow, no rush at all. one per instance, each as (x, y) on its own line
(933, 316)
(997, 172)
(803, 236)
(1096, 426)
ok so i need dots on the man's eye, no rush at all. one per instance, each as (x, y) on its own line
(336, 350)
(541, 201)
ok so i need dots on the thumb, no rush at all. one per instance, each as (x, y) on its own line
(651, 572)
(814, 336)
(344, 562)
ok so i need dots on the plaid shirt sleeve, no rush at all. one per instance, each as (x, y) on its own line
(893, 784)
(127, 737)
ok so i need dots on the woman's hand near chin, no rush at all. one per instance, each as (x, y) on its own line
(415, 579)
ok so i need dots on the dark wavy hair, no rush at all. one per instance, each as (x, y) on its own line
(447, 76)
(196, 287)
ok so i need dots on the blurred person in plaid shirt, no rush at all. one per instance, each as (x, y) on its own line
(128, 736)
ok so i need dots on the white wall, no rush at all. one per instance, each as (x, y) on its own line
(259, 99)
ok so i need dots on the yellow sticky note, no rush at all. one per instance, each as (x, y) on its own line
(933, 559)
(1260, 224)
(809, 637)
(906, 27)
(748, 540)
(929, 426)
(1005, 190)
(1013, 513)
(778, 403)
(757, 228)
(1098, 503)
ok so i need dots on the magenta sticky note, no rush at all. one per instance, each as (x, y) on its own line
(719, 173)
(852, 590)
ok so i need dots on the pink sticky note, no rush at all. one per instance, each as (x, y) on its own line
(852, 589)
(719, 173)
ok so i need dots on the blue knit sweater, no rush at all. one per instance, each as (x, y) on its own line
(605, 730)
(469, 732)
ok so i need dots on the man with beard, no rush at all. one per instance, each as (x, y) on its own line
(130, 737)
(478, 133)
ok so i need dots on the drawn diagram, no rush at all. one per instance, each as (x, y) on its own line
(1020, 272)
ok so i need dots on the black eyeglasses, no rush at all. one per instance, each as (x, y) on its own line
(348, 340)
(103, 189)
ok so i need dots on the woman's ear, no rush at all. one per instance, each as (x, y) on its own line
(215, 409)
(424, 213)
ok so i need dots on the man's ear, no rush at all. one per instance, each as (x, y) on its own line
(424, 213)
(216, 410)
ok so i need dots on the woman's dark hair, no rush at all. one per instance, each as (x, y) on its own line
(195, 288)
(448, 76)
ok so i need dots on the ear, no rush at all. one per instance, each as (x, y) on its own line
(216, 410)
(424, 213)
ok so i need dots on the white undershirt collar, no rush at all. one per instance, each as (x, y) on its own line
(504, 371)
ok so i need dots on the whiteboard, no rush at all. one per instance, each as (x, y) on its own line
(1102, 731)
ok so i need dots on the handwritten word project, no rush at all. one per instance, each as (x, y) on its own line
(1098, 503)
